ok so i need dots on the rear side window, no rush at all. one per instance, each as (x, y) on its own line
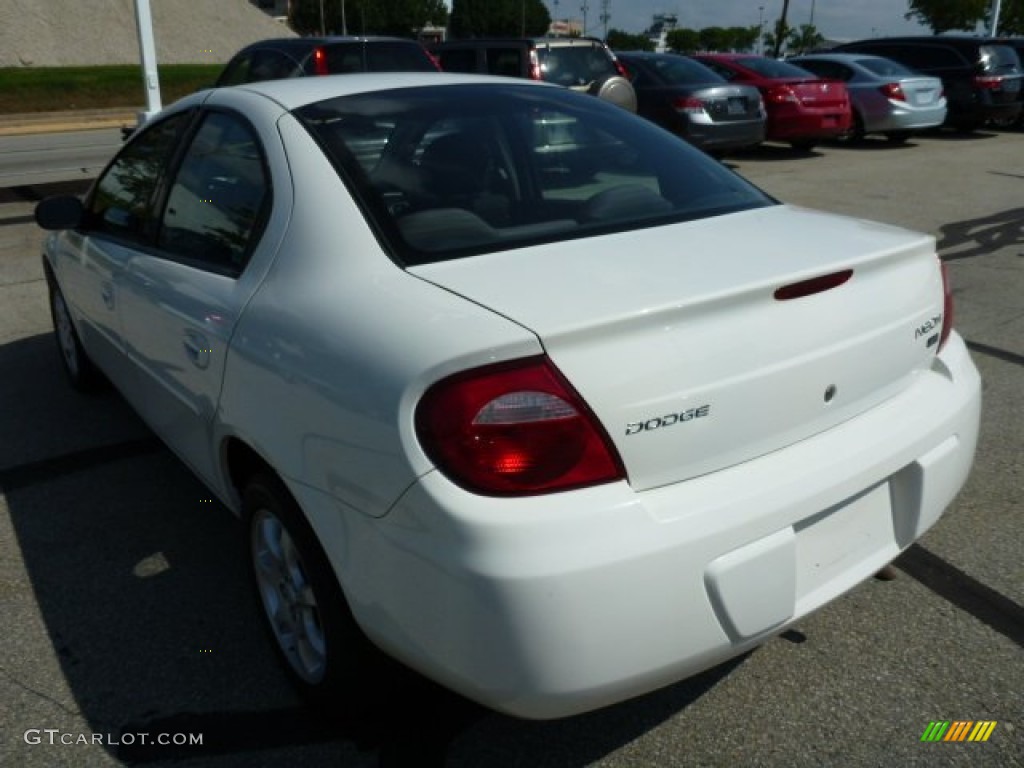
(507, 62)
(272, 65)
(460, 170)
(216, 204)
(930, 57)
(832, 70)
(458, 60)
(383, 56)
(998, 60)
(885, 67)
(771, 67)
(677, 70)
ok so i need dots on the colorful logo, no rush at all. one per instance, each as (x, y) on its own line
(958, 730)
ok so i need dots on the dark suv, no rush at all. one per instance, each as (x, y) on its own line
(281, 58)
(1017, 43)
(580, 63)
(981, 77)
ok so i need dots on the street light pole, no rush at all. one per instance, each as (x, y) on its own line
(147, 49)
(996, 8)
(760, 30)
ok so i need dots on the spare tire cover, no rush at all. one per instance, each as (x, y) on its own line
(616, 89)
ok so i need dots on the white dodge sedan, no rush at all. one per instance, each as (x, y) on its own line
(517, 386)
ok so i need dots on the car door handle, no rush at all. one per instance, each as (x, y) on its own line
(197, 349)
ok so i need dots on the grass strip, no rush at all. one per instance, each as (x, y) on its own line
(53, 89)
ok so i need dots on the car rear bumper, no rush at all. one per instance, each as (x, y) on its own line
(808, 124)
(549, 606)
(725, 135)
(906, 118)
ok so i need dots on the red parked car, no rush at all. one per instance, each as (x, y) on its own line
(802, 108)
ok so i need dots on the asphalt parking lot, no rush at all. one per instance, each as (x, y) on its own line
(127, 618)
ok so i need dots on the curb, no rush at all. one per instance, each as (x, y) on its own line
(54, 122)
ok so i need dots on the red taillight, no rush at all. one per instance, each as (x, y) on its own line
(621, 69)
(780, 94)
(689, 105)
(947, 306)
(319, 62)
(989, 82)
(514, 429)
(893, 91)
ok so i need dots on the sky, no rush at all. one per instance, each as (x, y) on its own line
(835, 19)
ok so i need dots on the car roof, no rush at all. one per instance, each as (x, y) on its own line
(953, 40)
(297, 92)
(312, 42)
(845, 58)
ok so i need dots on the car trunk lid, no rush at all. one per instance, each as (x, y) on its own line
(705, 344)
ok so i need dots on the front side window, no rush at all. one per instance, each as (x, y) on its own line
(452, 171)
(121, 201)
(217, 201)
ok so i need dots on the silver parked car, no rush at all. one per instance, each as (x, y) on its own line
(887, 97)
(692, 101)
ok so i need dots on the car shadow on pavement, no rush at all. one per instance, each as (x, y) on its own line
(978, 237)
(136, 615)
(772, 153)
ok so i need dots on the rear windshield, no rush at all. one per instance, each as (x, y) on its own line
(999, 59)
(678, 70)
(575, 65)
(886, 67)
(773, 68)
(456, 170)
(378, 56)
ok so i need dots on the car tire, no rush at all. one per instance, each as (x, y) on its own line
(327, 657)
(856, 133)
(898, 137)
(82, 373)
(803, 145)
(617, 90)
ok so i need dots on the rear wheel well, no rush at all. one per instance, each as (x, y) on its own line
(243, 463)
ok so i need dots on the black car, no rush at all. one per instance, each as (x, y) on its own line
(581, 63)
(281, 58)
(982, 77)
(688, 99)
(1017, 43)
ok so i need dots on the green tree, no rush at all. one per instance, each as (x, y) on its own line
(683, 40)
(401, 18)
(742, 38)
(498, 18)
(1011, 18)
(947, 15)
(713, 39)
(624, 41)
(805, 38)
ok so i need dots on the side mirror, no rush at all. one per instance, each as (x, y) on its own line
(60, 212)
